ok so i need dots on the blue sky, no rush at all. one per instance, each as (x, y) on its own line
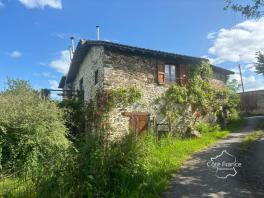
(35, 33)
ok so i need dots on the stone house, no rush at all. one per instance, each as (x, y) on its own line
(100, 65)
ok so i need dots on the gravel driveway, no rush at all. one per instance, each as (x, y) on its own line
(197, 179)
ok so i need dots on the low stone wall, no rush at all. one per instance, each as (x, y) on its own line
(252, 102)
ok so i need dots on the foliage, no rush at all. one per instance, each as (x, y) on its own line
(235, 123)
(136, 167)
(74, 115)
(183, 105)
(94, 168)
(117, 98)
(204, 127)
(249, 10)
(32, 131)
(260, 63)
(132, 167)
(233, 97)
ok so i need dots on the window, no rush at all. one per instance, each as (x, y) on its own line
(170, 73)
(81, 84)
(96, 77)
(81, 90)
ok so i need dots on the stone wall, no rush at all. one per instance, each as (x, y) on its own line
(252, 102)
(125, 70)
(121, 70)
(117, 69)
(92, 62)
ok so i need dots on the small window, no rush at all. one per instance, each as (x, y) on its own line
(81, 84)
(170, 73)
(96, 77)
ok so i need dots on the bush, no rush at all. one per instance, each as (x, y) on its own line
(32, 132)
(204, 127)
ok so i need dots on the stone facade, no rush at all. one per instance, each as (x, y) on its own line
(123, 71)
(117, 69)
(93, 62)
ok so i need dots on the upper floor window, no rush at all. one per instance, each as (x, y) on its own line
(170, 73)
(96, 77)
(166, 74)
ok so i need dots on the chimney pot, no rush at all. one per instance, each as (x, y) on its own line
(98, 32)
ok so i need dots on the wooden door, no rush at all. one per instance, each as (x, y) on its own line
(138, 121)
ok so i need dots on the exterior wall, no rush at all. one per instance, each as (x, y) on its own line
(122, 70)
(116, 69)
(92, 62)
(252, 102)
(125, 70)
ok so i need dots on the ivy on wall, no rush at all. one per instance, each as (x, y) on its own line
(183, 105)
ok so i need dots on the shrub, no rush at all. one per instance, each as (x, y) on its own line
(32, 132)
(204, 127)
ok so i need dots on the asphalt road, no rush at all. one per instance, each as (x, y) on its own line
(197, 178)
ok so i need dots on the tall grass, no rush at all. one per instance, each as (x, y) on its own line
(136, 167)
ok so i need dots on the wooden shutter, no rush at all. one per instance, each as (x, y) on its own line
(181, 74)
(161, 74)
(178, 74)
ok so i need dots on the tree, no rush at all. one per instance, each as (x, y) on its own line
(260, 63)
(233, 97)
(255, 9)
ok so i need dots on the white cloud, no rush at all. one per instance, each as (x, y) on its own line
(239, 43)
(62, 64)
(211, 35)
(42, 3)
(54, 84)
(15, 54)
(250, 81)
(211, 60)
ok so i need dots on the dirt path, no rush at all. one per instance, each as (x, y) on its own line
(197, 179)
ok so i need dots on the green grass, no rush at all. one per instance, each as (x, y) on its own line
(163, 159)
(153, 163)
(158, 162)
(250, 138)
(16, 188)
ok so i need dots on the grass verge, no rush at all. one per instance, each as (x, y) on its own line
(250, 138)
(163, 159)
(144, 170)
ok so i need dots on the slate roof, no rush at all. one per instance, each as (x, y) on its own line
(84, 46)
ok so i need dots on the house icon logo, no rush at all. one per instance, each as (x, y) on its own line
(225, 165)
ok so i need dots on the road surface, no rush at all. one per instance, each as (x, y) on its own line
(198, 179)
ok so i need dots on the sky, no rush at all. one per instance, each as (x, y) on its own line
(34, 34)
